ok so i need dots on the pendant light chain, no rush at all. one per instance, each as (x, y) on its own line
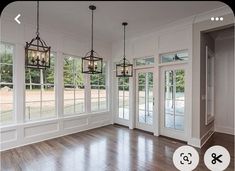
(124, 54)
(124, 42)
(37, 18)
(92, 18)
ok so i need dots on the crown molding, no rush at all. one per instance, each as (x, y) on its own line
(218, 12)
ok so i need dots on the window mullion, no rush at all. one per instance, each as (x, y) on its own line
(74, 86)
(41, 100)
(123, 110)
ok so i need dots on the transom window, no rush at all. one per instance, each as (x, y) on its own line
(144, 61)
(40, 92)
(74, 92)
(98, 91)
(123, 97)
(6, 83)
(174, 57)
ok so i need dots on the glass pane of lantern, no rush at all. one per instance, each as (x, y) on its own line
(38, 56)
(92, 65)
(124, 71)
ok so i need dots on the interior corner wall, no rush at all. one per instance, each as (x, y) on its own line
(224, 85)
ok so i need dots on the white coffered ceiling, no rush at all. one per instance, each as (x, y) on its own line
(74, 16)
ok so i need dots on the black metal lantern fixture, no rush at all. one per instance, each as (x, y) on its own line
(124, 68)
(37, 53)
(92, 63)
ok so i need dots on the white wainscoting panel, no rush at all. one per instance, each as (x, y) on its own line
(74, 123)
(9, 135)
(28, 133)
(38, 130)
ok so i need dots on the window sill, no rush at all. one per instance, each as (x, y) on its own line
(84, 114)
(49, 120)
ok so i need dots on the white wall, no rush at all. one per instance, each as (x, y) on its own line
(20, 133)
(175, 37)
(224, 84)
(180, 35)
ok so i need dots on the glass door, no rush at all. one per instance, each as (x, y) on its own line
(122, 104)
(144, 99)
(173, 102)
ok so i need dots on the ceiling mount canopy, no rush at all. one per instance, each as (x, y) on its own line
(91, 62)
(124, 68)
(37, 53)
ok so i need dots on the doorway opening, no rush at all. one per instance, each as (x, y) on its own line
(144, 99)
(217, 88)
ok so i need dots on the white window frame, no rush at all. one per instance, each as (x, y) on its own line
(145, 65)
(160, 63)
(106, 91)
(123, 100)
(41, 101)
(74, 99)
(13, 84)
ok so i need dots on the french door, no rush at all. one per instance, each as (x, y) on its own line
(172, 101)
(144, 99)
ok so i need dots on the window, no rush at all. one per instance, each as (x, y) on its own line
(40, 92)
(173, 57)
(6, 83)
(123, 98)
(74, 94)
(144, 61)
(98, 91)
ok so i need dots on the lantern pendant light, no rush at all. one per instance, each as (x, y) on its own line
(124, 68)
(37, 53)
(92, 63)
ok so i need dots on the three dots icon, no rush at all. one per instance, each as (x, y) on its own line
(217, 18)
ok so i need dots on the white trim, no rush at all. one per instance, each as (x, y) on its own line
(225, 130)
(199, 143)
(137, 124)
(224, 10)
(13, 83)
(182, 135)
(207, 136)
(52, 137)
(118, 120)
(61, 131)
(194, 142)
(173, 63)
(144, 66)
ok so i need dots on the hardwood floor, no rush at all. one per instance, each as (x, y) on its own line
(109, 148)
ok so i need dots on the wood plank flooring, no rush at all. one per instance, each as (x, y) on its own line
(109, 148)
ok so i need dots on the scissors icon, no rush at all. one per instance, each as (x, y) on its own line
(216, 158)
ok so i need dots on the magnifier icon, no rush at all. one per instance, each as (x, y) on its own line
(185, 158)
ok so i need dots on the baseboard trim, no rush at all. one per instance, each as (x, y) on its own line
(195, 142)
(206, 136)
(225, 130)
(200, 142)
